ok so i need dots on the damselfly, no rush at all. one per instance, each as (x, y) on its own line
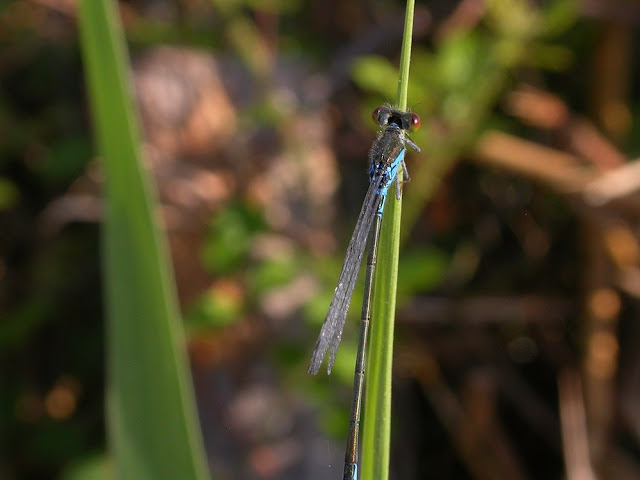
(385, 158)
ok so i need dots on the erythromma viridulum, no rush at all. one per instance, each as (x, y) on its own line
(385, 158)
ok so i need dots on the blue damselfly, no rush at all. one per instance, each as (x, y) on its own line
(385, 158)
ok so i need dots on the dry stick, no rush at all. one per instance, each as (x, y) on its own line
(574, 427)
(549, 112)
(562, 171)
(598, 332)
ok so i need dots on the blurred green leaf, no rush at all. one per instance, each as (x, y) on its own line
(458, 60)
(425, 88)
(373, 73)
(94, 468)
(421, 270)
(516, 19)
(215, 308)
(344, 365)
(152, 419)
(316, 308)
(230, 236)
(291, 354)
(274, 273)
(559, 16)
(549, 57)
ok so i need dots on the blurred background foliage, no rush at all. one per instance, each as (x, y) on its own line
(516, 354)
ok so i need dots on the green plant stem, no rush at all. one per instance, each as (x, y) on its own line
(377, 409)
(405, 58)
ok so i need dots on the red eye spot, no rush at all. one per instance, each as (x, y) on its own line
(376, 113)
(415, 122)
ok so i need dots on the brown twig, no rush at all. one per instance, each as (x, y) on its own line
(559, 170)
(574, 427)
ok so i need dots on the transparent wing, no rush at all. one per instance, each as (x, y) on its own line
(331, 332)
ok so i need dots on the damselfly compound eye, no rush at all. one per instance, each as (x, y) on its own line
(376, 113)
(415, 122)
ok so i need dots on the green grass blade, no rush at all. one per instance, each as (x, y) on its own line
(377, 409)
(405, 57)
(152, 421)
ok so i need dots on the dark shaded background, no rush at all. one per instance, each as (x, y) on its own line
(517, 337)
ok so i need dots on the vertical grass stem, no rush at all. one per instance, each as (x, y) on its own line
(377, 409)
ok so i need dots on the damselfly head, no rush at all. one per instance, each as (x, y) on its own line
(385, 115)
